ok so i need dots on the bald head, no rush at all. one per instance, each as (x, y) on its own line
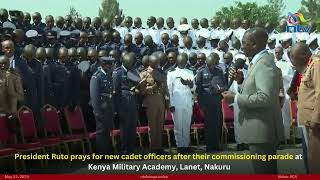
(154, 61)
(145, 61)
(192, 58)
(29, 52)
(41, 54)
(163, 58)
(181, 61)
(212, 60)
(4, 63)
(183, 20)
(187, 42)
(63, 54)
(254, 41)
(8, 48)
(299, 56)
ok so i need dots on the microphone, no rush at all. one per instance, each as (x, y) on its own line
(238, 64)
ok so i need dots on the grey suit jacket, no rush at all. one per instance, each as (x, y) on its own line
(260, 115)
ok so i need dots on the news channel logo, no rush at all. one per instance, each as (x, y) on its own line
(296, 23)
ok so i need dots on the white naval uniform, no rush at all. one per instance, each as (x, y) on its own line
(122, 30)
(204, 50)
(193, 37)
(287, 74)
(187, 51)
(155, 33)
(181, 99)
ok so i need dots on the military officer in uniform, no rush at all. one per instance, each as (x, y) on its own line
(126, 80)
(308, 103)
(181, 84)
(34, 97)
(209, 85)
(11, 90)
(155, 93)
(101, 93)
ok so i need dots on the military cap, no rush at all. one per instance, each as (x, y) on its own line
(107, 59)
(183, 27)
(302, 36)
(75, 34)
(51, 34)
(272, 38)
(312, 38)
(204, 33)
(8, 25)
(31, 33)
(285, 36)
(64, 33)
(214, 36)
(239, 56)
(15, 14)
(56, 29)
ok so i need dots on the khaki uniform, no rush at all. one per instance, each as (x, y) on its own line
(11, 91)
(309, 111)
(154, 100)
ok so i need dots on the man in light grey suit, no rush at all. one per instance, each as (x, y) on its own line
(260, 112)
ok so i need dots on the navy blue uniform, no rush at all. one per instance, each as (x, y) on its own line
(48, 67)
(166, 48)
(60, 78)
(74, 85)
(126, 105)
(101, 93)
(168, 67)
(39, 27)
(116, 46)
(35, 96)
(149, 50)
(26, 27)
(106, 46)
(208, 84)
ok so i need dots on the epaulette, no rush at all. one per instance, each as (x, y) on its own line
(134, 27)
(174, 28)
(165, 28)
(154, 28)
(194, 48)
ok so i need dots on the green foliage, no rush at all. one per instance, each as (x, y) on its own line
(109, 9)
(74, 13)
(267, 13)
(311, 10)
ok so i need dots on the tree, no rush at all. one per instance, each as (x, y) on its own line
(276, 7)
(109, 9)
(311, 9)
(251, 11)
(74, 13)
